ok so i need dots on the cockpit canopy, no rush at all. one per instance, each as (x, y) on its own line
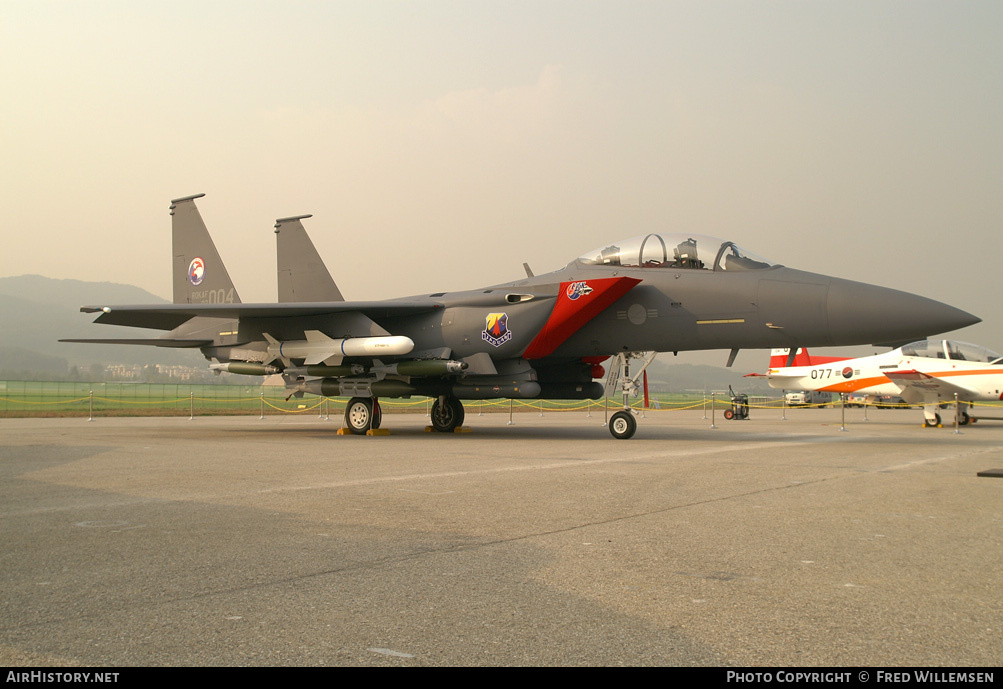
(949, 349)
(681, 251)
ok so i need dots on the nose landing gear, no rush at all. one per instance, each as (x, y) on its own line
(622, 424)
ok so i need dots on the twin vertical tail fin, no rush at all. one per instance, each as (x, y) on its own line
(201, 278)
(302, 275)
(199, 274)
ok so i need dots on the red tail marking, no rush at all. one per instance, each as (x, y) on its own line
(802, 359)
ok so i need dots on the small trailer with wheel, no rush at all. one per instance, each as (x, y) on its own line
(739, 406)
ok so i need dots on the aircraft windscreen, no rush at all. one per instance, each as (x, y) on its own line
(686, 251)
(958, 351)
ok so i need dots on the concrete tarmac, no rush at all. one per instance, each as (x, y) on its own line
(239, 541)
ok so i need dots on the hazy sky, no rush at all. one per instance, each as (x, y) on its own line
(441, 144)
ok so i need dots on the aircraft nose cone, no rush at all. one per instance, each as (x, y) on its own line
(859, 311)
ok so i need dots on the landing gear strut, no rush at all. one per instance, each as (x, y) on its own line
(447, 413)
(362, 414)
(622, 424)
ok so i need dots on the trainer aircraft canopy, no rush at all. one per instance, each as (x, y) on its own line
(951, 349)
(693, 251)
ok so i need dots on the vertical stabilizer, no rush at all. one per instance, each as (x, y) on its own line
(199, 274)
(779, 357)
(302, 275)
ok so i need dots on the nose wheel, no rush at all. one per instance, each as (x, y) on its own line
(622, 425)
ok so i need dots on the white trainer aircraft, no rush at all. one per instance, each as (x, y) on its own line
(925, 373)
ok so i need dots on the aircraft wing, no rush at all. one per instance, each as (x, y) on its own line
(169, 316)
(922, 386)
(153, 342)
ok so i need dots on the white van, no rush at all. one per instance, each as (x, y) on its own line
(808, 398)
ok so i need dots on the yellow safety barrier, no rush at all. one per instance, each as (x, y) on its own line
(294, 411)
(133, 401)
(14, 401)
(235, 399)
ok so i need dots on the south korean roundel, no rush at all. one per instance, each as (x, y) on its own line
(196, 271)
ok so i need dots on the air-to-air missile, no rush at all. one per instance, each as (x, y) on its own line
(318, 347)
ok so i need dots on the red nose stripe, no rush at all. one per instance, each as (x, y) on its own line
(569, 315)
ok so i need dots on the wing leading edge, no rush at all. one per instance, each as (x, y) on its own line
(170, 316)
(917, 385)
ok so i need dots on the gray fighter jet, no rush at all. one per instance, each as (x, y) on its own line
(545, 336)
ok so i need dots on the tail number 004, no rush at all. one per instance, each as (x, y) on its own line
(213, 296)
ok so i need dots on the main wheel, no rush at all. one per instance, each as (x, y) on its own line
(930, 424)
(622, 425)
(359, 415)
(964, 419)
(729, 414)
(446, 416)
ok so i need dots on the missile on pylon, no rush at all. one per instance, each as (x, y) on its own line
(318, 347)
(347, 387)
(246, 368)
(322, 371)
(427, 367)
(418, 368)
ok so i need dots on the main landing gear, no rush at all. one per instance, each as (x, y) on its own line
(447, 414)
(363, 414)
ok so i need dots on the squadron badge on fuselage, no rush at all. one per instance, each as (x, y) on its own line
(496, 332)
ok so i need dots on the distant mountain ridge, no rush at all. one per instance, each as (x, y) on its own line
(74, 293)
(36, 311)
